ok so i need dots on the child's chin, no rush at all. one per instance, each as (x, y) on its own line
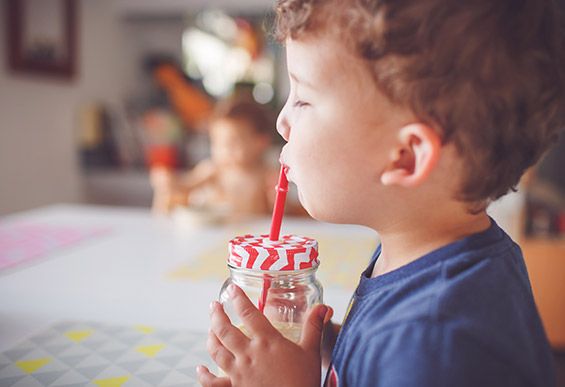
(327, 214)
(307, 205)
(316, 211)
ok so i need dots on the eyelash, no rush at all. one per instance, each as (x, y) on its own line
(300, 104)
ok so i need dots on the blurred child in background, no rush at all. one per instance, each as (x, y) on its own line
(236, 180)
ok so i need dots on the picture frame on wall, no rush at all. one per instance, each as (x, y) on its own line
(42, 37)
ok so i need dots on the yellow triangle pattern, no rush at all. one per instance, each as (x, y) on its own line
(144, 329)
(112, 382)
(30, 366)
(78, 336)
(150, 350)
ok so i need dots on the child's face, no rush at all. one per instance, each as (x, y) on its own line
(339, 129)
(236, 143)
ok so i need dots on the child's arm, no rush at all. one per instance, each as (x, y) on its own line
(165, 197)
(170, 190)
(265, 356)
(201, 174)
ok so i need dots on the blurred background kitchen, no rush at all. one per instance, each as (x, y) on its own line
(84, 115)
(95, 93)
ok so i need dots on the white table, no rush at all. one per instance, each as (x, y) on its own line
(118, 277)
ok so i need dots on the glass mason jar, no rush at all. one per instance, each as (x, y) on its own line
(279, 277)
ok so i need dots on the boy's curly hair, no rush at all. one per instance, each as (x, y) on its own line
(488, 75)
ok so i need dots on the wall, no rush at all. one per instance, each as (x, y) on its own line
(148, 36)
(38, 163)
(174, 7)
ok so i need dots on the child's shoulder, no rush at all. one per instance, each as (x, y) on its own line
(472, 279)
(467, 303)
(205, 167)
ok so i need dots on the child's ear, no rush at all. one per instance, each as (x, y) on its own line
(414, 156)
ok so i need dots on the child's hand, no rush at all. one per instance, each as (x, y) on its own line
(162, 179)
(265, 358)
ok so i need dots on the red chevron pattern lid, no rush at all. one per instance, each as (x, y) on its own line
(258, 252)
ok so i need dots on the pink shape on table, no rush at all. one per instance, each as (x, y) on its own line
(26, 242)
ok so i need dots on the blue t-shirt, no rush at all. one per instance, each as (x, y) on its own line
(462, 315)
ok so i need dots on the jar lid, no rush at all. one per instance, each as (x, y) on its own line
(258, 252)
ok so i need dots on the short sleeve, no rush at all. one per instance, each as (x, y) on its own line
(425, 354)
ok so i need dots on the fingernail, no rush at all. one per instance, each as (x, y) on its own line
(199, 369)
(322, 312)
(329, 315)
(231, 290)
(212, 306)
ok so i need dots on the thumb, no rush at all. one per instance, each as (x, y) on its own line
(314, 326)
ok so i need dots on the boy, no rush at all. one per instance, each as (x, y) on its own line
(410, 117)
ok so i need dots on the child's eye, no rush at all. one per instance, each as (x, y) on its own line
(300, 104)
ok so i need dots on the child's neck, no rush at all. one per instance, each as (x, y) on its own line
(409, 239)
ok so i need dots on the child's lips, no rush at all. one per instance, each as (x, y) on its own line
(285, 168)
(284, 165)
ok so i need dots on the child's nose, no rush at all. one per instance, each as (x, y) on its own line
(283, 126)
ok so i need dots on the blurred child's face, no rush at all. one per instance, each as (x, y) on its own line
(339, 129)
(235, 143)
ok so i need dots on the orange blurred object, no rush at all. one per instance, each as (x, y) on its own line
(248, 38)
(193, 106)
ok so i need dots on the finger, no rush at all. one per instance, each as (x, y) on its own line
(255, 322)
(314, 326)
(208, 379)
(221, 356)
(231, 337)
